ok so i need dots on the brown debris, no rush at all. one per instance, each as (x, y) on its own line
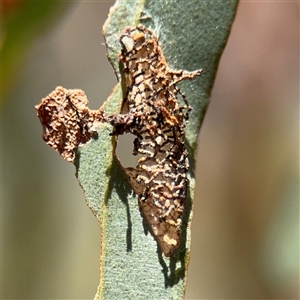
(151, 111)
(67, 121)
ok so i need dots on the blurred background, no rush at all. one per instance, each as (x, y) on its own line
(245, 235)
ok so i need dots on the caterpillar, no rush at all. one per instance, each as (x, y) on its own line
(152, 113)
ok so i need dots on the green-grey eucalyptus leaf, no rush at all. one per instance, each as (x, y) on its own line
(193, 35)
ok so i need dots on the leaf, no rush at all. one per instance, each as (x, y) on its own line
(193, 35)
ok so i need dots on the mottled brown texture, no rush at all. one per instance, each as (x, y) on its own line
(152, 112)
(67, 121)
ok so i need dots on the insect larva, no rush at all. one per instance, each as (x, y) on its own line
(155, 117)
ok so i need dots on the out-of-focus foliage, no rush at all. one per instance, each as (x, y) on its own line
(21, 22)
